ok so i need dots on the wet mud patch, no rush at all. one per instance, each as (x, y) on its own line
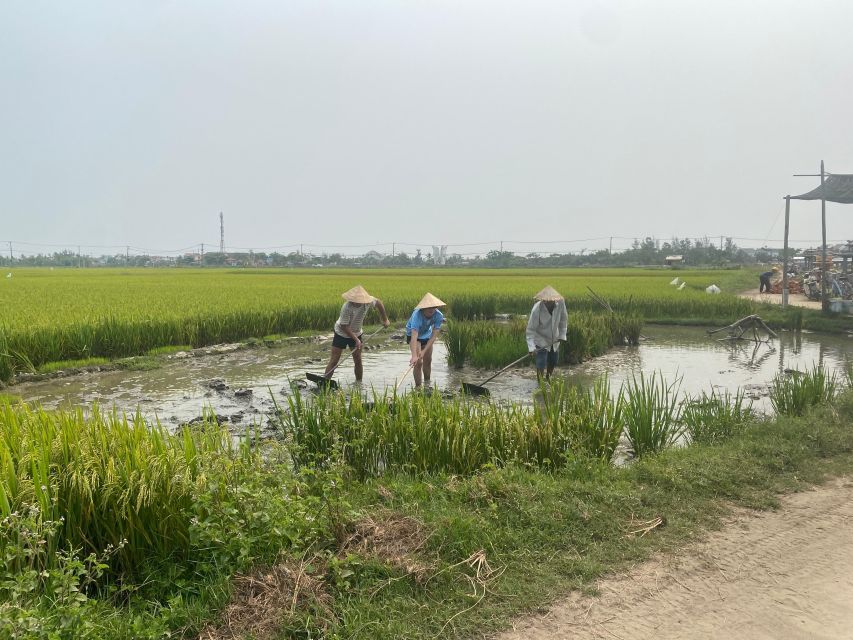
(244, 387)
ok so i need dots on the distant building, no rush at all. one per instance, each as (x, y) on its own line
(674, 261)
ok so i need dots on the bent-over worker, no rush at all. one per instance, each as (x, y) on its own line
(422, 330)
(764, 280)
(348, 328)
(546, 328)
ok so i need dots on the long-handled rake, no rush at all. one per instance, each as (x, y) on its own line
(479, 389)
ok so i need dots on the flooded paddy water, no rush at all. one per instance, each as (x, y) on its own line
(241, 386)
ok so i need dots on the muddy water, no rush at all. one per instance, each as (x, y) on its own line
(243, 385)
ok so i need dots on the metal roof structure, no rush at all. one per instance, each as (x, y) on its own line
(834, 187)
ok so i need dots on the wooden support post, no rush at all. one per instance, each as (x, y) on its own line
(785, 254)
(824, 298)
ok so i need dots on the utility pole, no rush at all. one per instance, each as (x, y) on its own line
(393, 249)
(221, 233)
(301, 253)
(201, 261)
(79, 258)
(502, 246)
(824, 299)
(11, 254)
(785, 254)
(721, 243)
(610, 251)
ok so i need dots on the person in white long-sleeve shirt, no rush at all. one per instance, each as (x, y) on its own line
(546, 328)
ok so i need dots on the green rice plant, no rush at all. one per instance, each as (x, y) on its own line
(114, 482)
(499, 351)
(626, 329)
(716, 416)
(50, 316)
(162, 351)
(848, 372)
(50, 367)
(652, 413)
(461, 338)
(476, 307)
(793, 394)
(591, 419)
(7, 366)
(494, 344)
(423, 433)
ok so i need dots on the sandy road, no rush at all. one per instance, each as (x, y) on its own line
(786, 574)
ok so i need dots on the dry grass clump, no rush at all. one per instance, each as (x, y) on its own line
(264, 599)
(392, 538)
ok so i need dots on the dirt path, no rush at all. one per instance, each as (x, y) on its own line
(786, 574)
(794, 299)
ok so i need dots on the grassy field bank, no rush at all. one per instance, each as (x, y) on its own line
(60, 315)
(112, 529)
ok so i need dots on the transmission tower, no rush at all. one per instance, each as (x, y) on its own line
(221, 233)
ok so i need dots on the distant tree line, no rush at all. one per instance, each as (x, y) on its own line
(646, 252)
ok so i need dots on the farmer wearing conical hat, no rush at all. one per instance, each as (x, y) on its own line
(546, 328)
(348, 327)
(422, 329)
(764, 280)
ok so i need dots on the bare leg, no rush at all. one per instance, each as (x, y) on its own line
(427, 360)
(418, 373)
(359, 368)
(333, 361)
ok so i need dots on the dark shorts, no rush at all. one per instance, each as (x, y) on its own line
(422, 342)
(545, 357)
(342, 342)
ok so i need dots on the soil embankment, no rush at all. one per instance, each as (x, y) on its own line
(786, 574)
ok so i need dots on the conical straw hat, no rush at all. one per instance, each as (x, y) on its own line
(548, 294)
(357, 294)
(428, 301)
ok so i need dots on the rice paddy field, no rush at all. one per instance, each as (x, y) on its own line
(361, 516)
(58, 315)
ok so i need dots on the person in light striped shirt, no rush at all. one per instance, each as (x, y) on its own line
(348, 328)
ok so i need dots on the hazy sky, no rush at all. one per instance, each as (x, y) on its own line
(367, 121)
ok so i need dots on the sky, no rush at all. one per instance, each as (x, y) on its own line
(349, 125)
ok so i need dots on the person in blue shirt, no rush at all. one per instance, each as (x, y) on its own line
(422, 330)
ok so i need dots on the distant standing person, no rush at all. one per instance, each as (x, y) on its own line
(422, 330)
(348, 327)
(546, 328)
(764, 281)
